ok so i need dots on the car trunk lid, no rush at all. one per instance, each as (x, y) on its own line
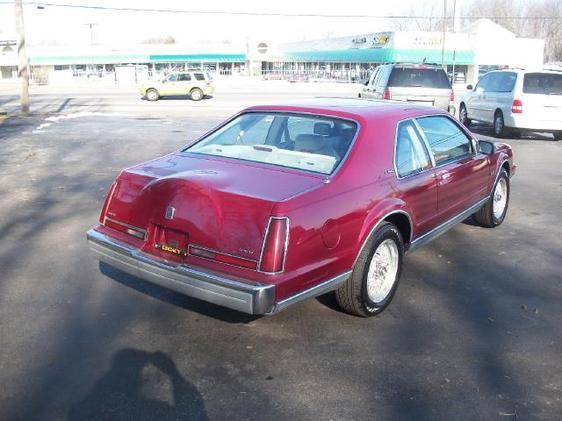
(214, 203)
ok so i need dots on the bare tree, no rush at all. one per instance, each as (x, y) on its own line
(549, 27)
(537, 19)
(427, 17)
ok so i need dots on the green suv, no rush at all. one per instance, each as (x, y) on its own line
(195, 85)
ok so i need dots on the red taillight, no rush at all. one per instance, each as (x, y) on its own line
(106, 202)
(452, 96)
(517, 106)
(126, 228)
(386, 94)
(275, 246)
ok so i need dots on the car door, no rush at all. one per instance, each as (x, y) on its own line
(184, 84)
(462, 172)
(502, 97)
(168, 85)
(474, 100)
(490, 97)
(415, 176)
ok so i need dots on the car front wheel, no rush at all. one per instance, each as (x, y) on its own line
(152, 95)
(375, 276)
(493, 212)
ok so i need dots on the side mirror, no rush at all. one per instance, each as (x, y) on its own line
(366, 83)
(485, 147)
(469, 87)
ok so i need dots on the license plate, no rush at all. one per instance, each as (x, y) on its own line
(171, 249)
(171, 241)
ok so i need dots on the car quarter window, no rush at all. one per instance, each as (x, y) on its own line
(410, 156)
(184, 77)
(199, 76)
(446, 140)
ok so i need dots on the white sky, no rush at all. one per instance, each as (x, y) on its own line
(67, 26)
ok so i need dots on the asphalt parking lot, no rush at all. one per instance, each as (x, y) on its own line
(473, 333)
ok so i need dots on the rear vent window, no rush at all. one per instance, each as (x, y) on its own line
(419, 78)
(542, 83)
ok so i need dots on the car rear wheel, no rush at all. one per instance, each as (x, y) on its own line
(152, 95)
(493, 212)
(463, 116)
(196, 94)
(375, 276)
(499, 125)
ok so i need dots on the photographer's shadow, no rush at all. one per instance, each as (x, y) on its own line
(141, 385)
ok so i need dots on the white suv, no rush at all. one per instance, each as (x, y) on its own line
(515, 101)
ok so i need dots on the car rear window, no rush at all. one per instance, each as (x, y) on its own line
(419, 78)
(304, 142)
(199, 76)
(542, 83)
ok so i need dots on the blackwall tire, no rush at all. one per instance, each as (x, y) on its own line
(463, 116)
(499, 126)
(196, 94)
(152, 95)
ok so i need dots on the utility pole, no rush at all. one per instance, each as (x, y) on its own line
(444, 33)
(91, 25)
(23, 72)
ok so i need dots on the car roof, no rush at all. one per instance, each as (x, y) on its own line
(524, 71)
(353, 108)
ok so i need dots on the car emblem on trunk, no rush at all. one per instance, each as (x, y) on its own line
(170, 210)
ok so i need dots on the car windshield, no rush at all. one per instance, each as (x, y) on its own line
(542, 83)
(419, 78)
(311, 143)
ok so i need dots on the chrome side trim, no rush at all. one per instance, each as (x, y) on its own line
(206, 286)
(440, 229)
(317, 290)
(380, 221)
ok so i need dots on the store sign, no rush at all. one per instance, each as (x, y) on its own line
(359, 41)
(428, 40)
(371, 41)
(380, 40)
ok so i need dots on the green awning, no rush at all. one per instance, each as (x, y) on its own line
(380, 55)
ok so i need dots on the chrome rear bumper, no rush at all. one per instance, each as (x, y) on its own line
(206, 286)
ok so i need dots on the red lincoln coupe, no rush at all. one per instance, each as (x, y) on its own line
(282, 203)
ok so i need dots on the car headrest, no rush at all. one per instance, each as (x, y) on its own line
(309, 142)
(323, 129)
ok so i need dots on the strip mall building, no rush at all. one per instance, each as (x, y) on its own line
(483, 46)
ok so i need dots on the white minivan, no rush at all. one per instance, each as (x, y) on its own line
(515, 101)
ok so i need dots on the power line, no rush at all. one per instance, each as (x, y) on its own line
(276, 14)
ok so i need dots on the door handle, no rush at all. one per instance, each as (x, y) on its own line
(444, 176)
